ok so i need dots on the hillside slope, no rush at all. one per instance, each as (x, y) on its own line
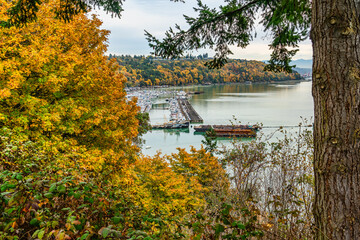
(149, 71)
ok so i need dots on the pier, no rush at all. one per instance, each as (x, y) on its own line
(177, 103)
(188, 111)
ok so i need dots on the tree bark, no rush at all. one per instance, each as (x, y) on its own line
(335, 35)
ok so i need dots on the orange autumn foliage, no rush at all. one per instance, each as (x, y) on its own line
(57, 87)
(165, 191)
(201, 165)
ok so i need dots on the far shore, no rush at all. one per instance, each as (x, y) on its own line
(128, 89)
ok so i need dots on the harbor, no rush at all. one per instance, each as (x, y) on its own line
(182, 114)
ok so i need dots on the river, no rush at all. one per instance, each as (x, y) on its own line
(272, 104)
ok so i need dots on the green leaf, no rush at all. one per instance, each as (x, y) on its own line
(61, 188)
(34, 222)
(227, 208)
(82, 206)
(52, 187)
(7, 186)
(116, 220)
(219, 229)
(197, 237)
(105, 232)
(9, 211)
(41, 234)
(49, 195)
(19, 176)
(241, 226)
(77, 195)
(54, 224)
(84, 236)
(35, 233)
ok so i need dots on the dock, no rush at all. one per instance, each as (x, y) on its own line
(188, 111)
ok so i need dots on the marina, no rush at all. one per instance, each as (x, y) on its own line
(181, 111)
(273, 105)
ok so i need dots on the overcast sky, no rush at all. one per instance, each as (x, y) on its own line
(156, 16)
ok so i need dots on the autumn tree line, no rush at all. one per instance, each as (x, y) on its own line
(143, 71)
(71, 165)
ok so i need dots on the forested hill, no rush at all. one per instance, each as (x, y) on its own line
(149, 71)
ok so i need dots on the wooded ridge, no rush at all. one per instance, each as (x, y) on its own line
(149, 71)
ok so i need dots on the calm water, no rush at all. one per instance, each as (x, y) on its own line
(280, 104)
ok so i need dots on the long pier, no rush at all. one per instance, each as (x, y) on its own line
(189, 112)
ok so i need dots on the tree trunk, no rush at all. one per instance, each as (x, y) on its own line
(336, 89)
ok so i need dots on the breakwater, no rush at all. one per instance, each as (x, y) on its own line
(188, 111)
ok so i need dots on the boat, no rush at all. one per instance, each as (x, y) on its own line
(249, 133)
(172, 125)
(229, 130)
(205, 128)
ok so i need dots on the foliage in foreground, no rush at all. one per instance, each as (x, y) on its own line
(186, 195)
(39, 199)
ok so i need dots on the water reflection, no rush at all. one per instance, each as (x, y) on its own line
(269, 104)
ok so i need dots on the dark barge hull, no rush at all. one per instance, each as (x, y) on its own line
(205, 128)
(221, 131)
(244, 133)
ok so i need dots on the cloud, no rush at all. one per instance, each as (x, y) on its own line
(260, 51)
(156, 16)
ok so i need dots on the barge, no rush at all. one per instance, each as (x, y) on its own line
(229, 130)
(205, 128)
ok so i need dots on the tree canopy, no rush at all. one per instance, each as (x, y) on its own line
(57, 87)
(24, 12)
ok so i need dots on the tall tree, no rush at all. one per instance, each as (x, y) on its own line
(58, 88)
(336, 89)
(335, 34)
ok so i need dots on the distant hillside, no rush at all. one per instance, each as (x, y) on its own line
(303, 71)
(302, 63)
(149, 71)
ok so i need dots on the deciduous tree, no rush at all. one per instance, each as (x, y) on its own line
(58, 88)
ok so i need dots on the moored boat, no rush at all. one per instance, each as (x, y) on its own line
(172, 125)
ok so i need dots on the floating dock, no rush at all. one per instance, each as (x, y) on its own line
(188, 111)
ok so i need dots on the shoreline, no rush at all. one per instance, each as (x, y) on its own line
(129, 89)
